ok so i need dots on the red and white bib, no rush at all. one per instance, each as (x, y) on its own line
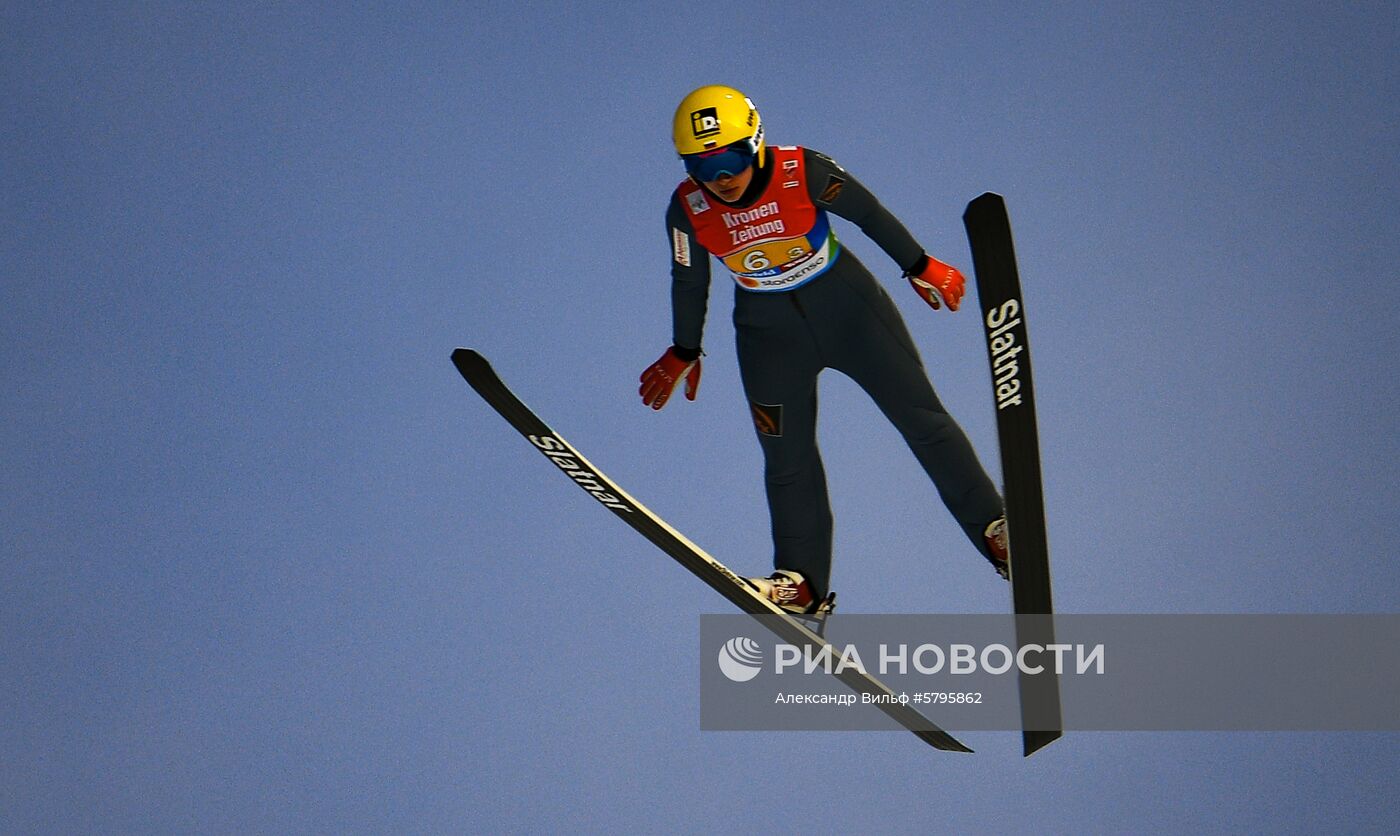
(779, 242)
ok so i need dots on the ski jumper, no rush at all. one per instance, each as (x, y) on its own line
(804, 303)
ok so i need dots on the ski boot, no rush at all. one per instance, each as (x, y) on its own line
(995, 535)
(787, 589)
(791, 592)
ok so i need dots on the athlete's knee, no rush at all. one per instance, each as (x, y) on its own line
(789, 474)
(932, 429)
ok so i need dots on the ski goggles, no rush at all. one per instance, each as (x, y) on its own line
(731, 160)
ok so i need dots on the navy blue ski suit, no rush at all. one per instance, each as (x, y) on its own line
(842, 319)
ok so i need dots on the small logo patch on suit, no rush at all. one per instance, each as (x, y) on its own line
(680, 247)
(767, 418)
(834, 185)
(697, 202)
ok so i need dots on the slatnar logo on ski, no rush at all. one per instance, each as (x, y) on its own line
(569, 462)
(740, 659)
(1005, 348)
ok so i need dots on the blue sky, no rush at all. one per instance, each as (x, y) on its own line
(270, 565)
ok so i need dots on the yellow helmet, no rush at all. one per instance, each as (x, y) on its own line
(714, 117)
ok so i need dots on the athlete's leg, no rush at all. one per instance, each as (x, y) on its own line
(878, 353)
(779, 365)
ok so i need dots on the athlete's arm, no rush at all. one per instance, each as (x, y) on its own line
(690, 293)
(834, 189)
(690, 282)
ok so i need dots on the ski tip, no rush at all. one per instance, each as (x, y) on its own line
(984, 201)
(461, 356)
(469, 361)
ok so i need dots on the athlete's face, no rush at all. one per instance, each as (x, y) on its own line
(731, 188)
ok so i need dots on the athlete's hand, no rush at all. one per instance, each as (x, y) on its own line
(661, 378)
(938, 284)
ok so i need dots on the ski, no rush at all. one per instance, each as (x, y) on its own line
(488, 384)
(1009, 356)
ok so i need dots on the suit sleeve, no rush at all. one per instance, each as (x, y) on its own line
(834, 189)
(690, 278)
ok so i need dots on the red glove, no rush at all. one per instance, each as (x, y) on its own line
(938, 284)
(661, 378)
